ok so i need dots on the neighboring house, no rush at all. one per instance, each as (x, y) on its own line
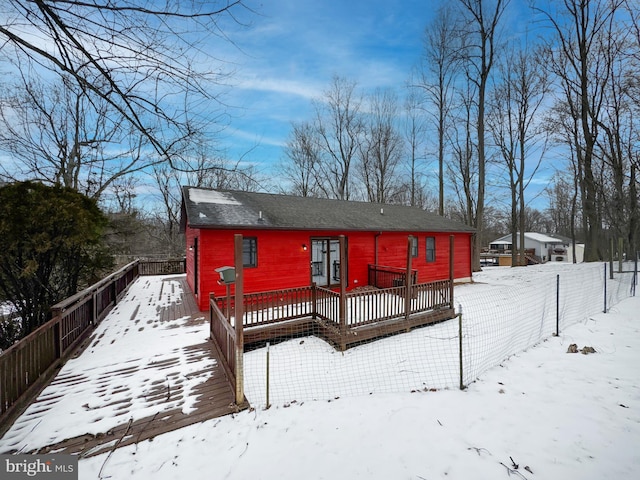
(579, 249)
(579, 252)
(293, 241)
(542, 247)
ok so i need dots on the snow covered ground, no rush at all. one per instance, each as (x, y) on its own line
(556, 415)
(553, 414)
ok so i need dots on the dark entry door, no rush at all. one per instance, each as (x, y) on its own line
(325, 261)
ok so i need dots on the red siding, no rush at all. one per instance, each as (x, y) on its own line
(392, 252)
(283, 263)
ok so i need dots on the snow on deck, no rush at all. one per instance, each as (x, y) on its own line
(150, 359)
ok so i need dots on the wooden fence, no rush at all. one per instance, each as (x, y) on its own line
(29, 364)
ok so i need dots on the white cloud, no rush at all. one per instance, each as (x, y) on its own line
(295, 87)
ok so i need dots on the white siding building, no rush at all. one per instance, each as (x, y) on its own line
(545, 247)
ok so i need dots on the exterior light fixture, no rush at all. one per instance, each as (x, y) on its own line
(304, 247)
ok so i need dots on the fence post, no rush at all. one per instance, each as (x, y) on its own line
(267, 378)
(460, 346)
(557, 305)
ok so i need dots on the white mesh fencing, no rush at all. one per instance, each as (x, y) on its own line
(499, 318)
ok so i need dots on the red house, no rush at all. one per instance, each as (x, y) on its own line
(293, 241)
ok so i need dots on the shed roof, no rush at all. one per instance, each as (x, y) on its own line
(536, 237)
(209, 208)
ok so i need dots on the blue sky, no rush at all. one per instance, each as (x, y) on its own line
(289, 50)
(294, 48)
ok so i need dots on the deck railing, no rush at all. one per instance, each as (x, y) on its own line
(224, 336)
(431, 296)
(373, 306)
(381, 276)
(327, 305)
(28, 365)
(357, 309)
(276, 306)
(162, 267)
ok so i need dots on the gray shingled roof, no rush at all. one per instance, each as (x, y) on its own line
(208, 208)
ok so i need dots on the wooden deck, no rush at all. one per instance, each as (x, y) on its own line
(215, 400)
(167, 388)
(343, 320)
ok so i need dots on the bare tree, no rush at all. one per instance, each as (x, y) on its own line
(142, 58)
(481, 35)
(63, 135)
(301, 168)
(415, 132)
(340, 127)
(437, 74)
(381, 149)
(515, 103)
(462, 170)
(564, 129)
(618, 144)
(204, 167)
(562, 204)
(583, 30)
(633, 93)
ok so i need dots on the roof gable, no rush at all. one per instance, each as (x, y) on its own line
(208, 208)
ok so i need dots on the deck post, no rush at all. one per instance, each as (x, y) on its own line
(408, 281)
(57, 333)
(451, 265)
(314, 301)
(239, 319)
(343, 293)
(94, 310)
(227, 310)
(211, 337)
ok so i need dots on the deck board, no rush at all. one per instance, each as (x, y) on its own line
(210, 398)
